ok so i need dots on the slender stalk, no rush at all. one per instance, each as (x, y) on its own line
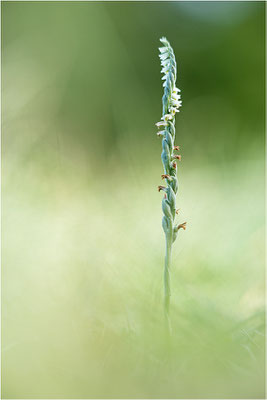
(171, 103)
(167, 289)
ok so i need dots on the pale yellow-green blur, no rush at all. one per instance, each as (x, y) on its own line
(83, 246)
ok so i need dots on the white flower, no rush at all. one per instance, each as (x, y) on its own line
(161, 123)
(165, 41)
(165, 70)
(163, 49)
(166, 117)
(165, 62)
(173, 110)
(164, 56)
(175, 96)
(176, 103)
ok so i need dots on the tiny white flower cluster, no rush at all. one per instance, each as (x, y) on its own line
(169, 76)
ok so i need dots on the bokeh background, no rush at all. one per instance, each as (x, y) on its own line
(83, 247)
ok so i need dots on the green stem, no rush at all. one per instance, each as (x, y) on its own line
(167, 289)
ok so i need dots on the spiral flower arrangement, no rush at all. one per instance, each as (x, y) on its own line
(171, 102)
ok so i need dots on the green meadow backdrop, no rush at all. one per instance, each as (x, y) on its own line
(83, 246)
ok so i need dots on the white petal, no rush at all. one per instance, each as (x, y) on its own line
(164, 56)
(165, 70)
(166, 62)
(166, 117)
(164, 41)
(161, 123)
(163, 49)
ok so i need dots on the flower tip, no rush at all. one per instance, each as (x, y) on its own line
(163, 39)
(165, 176)
(182, 226)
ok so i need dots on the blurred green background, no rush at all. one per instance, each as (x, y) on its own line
(83, 247)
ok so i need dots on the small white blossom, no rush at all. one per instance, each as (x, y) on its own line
(165, 70)
(176, 103)
(164, 56)
(175, 97)
(161, 123)
(166, 117)
(163, 49)
(166, 62)
(173, 110)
